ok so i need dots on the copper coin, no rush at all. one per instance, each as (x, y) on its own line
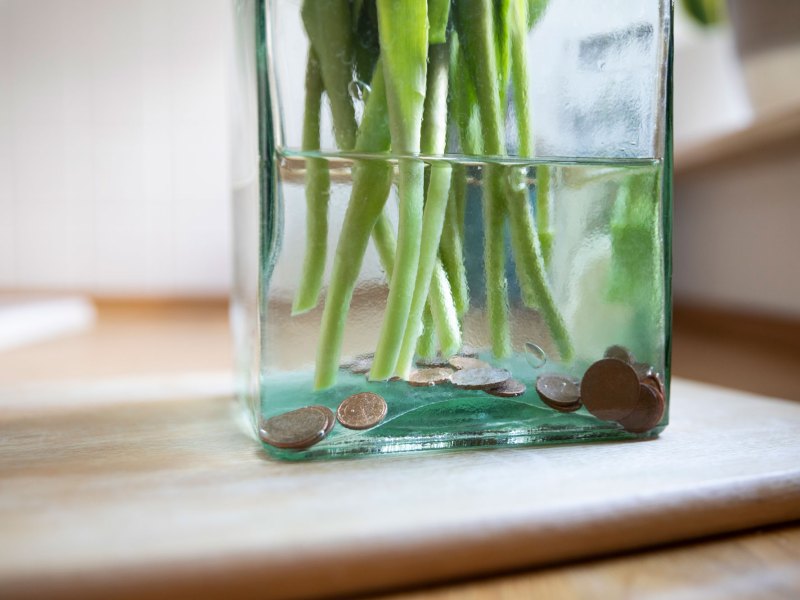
(426, 377)
(619, 352)
(508, 389)
(479, 379)
(610, 389)
(435, 361)
(297, 429)
(648, 412)
(559, 392)
(564, 408)
(655, 380)
(643, 370)
(361, 411)
(467, 362)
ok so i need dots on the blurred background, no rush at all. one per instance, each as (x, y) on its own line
(115, 189)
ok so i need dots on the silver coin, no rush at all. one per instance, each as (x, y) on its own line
(508, 389)
(297, 429)
(347, 364)
(467, 362)
(479, 379)
(432, 362)
(468, 351)
(428, 377)
(642, 369)
(362, 365)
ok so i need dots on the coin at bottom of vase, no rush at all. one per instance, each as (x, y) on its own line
(428, 377)
(559, 392)
(362, 411)
(610, 389)
(297, 429)
(468, 362)
(508, 389)
(479, 379)
(648, 412)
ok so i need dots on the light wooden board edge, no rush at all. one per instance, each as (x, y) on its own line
(502, 547)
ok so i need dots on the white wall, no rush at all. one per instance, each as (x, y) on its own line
(735, 234)
(114, 162)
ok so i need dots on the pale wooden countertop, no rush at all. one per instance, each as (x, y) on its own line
(89, 449)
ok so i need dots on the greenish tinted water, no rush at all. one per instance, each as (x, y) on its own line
(604, 265)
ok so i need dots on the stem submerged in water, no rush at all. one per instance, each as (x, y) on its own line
(475, 22)
(371, 182)
(407, 109)
(403, 30)
(451, 248)
(434, 130)
(318, 189)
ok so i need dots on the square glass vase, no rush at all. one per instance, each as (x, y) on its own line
(452, 222)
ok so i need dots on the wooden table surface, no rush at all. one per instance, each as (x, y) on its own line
(71, 442)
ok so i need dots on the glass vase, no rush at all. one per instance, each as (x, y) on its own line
(452, 222)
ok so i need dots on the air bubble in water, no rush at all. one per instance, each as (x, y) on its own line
(358, 90)
(535, 356)
(517, 180)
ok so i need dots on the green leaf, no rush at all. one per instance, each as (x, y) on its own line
(706, 12)
(438, 14)
(536, 9)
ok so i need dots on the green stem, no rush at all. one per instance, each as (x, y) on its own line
(525, 241)
(543, 200)
(504, 185)
(329, 28)
(432, 223)
(371, 182)
(443, 310)
(502, 44)
(519, 77)
(494, 216)
(433, 138)
(474, 22)
(403, 28)
(383, 238)
(528, 253)
(318, 190)
(451, 248)
(440, 310)
(461, 107)
(426, 346)
(464, 101)
(438, 14)
(401, 288)
(461, 205)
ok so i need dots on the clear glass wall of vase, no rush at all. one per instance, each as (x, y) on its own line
(452, 222)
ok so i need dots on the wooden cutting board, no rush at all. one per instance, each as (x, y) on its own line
(132, 499)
